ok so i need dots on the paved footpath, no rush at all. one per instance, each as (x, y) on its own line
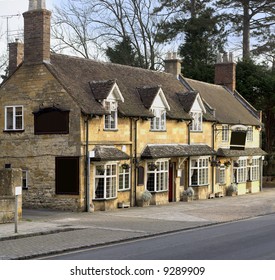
(44, 232)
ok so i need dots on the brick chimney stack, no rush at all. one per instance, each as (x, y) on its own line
(225, 71)
(172, 64)
(16, 55)
(37, 32)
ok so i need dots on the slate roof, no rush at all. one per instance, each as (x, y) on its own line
(152, 151)
(239, 153)
(75, 74)
(101, 89)
(147, 95)
(104, 153)
(228, 108)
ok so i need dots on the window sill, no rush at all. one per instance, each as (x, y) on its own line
(158, 130)
(104, 199)
(196, 131)
(14, 131)
(124, 190)
(110, 130)
(156, 192)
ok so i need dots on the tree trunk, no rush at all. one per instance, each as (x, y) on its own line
(246, 30)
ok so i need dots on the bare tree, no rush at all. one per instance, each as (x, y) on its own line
(3, 58)
(91, 26)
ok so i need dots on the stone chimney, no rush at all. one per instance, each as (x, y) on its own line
(172, 64)
(225, 71)
(16, 55)
(37, 32)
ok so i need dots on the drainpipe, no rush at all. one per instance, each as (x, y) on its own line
(135, 161)
(87, 169)
(188, 162)
(213, 147)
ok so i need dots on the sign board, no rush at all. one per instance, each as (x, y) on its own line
(18, 190)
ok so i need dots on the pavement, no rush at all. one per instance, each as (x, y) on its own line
(46, 232)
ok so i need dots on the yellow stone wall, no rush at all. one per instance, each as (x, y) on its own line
(34, 87)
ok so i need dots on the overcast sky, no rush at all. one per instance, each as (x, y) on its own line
(10, 8)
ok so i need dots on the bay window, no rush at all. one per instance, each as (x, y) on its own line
(157, 176)
(105, 181)
(124, 179)
(199, 171)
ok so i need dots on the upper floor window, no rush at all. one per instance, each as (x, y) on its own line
(111, 119)
(249, 134)
(225, 133)
(197, 121)
(159, 121)
(14, 118)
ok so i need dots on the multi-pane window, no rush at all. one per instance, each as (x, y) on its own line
(159, 120)
(105, 181)
(111, 119)
(241, 171)
(157, 176)
(255, 169)
(225, 133)
(124, 179)
(197, 121)
(14, 118)
(199, 171)
(249, 134)
(222, 175)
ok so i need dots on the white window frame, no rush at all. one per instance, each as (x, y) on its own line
(109, 192)
(249, 134)
(222, 177)
(255, 169)
(225, 133)
(241, 171)
(199, 167)
(124, 179)
(160, 176)
(158, 123)
(15, 116)
(197, 121)
(110, 121)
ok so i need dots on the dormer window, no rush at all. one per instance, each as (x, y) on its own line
(196, 112)
(110, 121)
(159, 121)
(108, 94)
(197, 121)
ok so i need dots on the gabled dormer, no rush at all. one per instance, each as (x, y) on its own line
(108, 94)
(197, 110)
(154, 100)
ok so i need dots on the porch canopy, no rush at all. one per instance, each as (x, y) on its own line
(152, 151)
(240, 153)
(108, 153)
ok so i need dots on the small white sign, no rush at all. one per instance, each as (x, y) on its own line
(18, 190)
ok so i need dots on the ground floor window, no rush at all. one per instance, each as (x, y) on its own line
(157, 176)
(199, 171)
(105, 181)
(240, 171)
(124, 178)
(220, 175)
(255, 169)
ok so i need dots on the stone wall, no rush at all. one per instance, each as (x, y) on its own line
(9, 179)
